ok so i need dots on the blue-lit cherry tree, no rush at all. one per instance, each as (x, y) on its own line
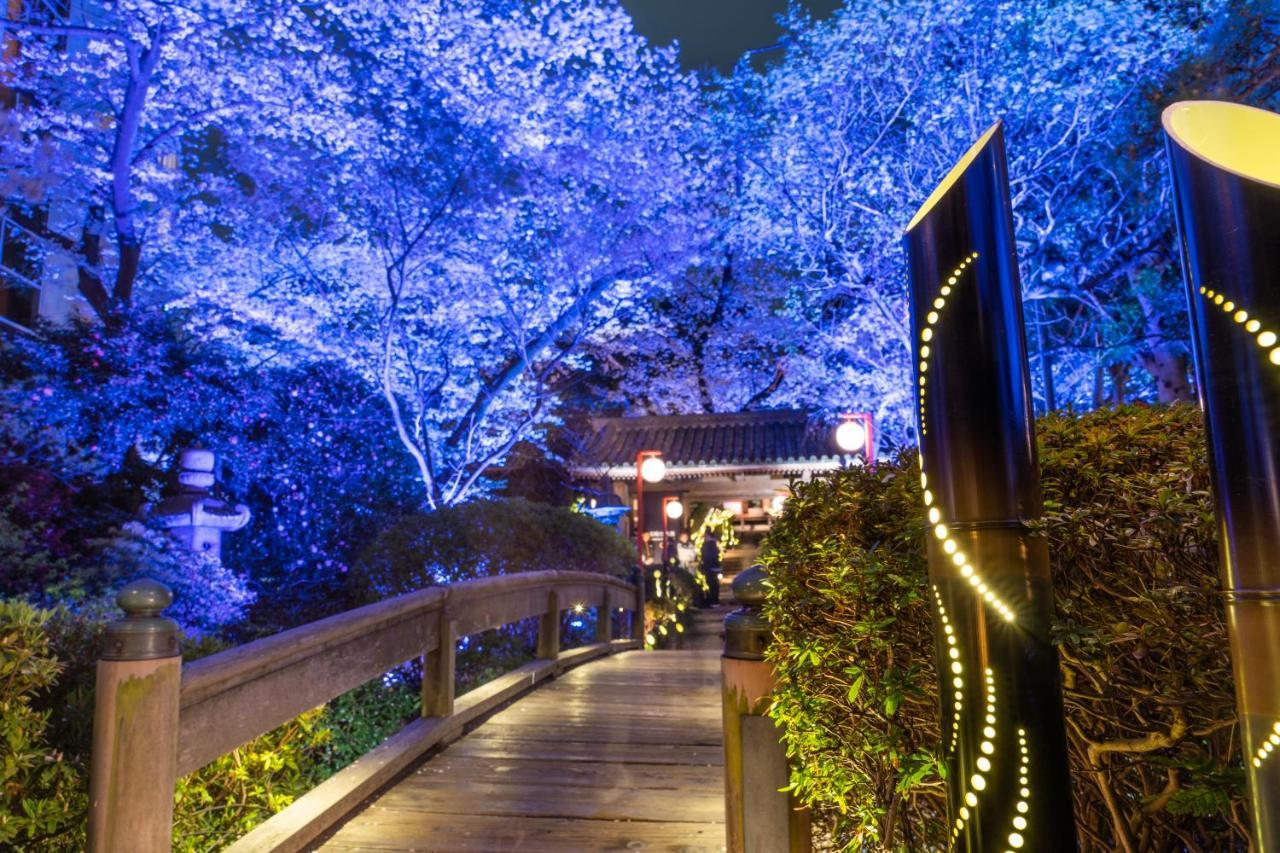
(137, 127)
(512, 184)
(859, 115)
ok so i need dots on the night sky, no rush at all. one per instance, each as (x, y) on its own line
(714, 32)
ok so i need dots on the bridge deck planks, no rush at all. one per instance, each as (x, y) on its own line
(621, 754)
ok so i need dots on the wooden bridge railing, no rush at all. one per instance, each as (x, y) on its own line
(156, 720)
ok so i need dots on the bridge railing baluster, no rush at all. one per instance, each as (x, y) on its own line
(438, 668)
(604, 620)
(549, 629)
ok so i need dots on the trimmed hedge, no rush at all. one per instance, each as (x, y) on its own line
(484, 538)
(1139, 624)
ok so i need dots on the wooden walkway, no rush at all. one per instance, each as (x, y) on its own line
(621, 754)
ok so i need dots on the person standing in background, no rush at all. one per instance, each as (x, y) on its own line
(686, 554)
(711, 567)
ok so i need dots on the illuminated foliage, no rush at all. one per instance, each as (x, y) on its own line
(145, 123)
(1139, 627)
(840, 141)
(522, 177)
(106, 410)
(41, 798)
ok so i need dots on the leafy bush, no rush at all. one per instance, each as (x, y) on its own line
(1140, 629)
(26, 554)
(207, 595)
(362, 718)
(43, 798)
(484, 538)
(92, 417)
(236, 792)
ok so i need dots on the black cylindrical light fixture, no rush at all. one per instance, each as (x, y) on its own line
(1009, 786)
(1226, 177)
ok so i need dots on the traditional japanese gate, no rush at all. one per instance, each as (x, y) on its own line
(1003, 735)
(1226, 176)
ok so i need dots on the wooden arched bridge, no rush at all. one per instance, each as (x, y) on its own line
(620, 749)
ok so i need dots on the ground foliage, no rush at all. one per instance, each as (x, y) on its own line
(40, 798)
(1139, 625)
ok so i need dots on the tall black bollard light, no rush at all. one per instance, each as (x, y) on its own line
(1009, 786)
(1226, 178)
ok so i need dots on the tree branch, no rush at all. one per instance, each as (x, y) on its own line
(57, 31)
(515, 366)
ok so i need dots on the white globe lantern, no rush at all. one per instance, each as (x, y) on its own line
(851, 436)
(675, 510)
(653, 469)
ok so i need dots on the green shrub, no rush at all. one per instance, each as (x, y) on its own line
(42, 794)
(361, 719)
(236, 792)
(48, 661)
(1139, 624)
(485, 538)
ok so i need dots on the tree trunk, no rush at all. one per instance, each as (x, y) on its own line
(1167, 367)
(88, 278)
(130, 256)
(1046, 372)
(1169, 370)
(1119, 382)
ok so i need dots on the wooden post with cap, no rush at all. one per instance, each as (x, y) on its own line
(135, 726)
(759, 817)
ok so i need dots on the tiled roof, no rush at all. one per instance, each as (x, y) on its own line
(784, 439)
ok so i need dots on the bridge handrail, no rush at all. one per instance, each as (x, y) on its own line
(233, 696)
(157, 720)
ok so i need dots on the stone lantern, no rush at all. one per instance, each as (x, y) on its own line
(190, 510)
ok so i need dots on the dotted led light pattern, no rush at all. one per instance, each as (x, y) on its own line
(977, 781)
(1022, 807)
(957, 672)
(967, 570)
(1264, 338)
(1268, 746)
(1267, 341)
(974, 780)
